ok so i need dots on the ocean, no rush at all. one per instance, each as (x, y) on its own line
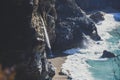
(86, 64)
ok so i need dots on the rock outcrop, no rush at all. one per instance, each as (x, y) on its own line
(89, 5)
(97, 16)
(71, 24)
(107, 54)
(22, 42)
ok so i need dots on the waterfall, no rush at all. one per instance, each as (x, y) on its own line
(47, 38)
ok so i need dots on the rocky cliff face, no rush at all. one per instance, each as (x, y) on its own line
(72, 21)
(22, 42)
(98, 4)
(71, 24)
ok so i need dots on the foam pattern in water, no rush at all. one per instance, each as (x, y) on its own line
(86, 64)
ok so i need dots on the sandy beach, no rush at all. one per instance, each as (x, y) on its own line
(57, 62)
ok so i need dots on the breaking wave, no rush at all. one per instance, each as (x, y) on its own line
(86, 64)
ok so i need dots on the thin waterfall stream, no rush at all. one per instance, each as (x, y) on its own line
(47, 39)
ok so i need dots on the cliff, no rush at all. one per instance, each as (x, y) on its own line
(23, 42)
(71, 24)
(98, 4)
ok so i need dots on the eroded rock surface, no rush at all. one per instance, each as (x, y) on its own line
(22, 42)
(98, 4)
(97, 16)
(71, 24)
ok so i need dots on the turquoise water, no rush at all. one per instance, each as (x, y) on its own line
(108, 69)
(114, 41)
(100, 69)
(105, 70)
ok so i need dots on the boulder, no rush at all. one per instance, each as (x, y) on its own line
(107, 54)
(97, 16)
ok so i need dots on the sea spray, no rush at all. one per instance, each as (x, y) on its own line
(86, 64)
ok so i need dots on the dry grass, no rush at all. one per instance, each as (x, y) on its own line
(7, 74)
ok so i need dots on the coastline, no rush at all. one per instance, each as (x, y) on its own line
(76, 63)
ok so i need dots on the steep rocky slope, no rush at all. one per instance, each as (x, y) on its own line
(71, 24)
(97, 4)
(23, 44)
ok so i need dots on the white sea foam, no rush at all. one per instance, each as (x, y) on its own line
(76, 66)
(107, 25)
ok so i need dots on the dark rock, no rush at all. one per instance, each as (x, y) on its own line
(22, 40)
(95, 36)
(107, 54)
(51, 28)
(90, 5)
(97, 16)
(72, 22)
(51, 70)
